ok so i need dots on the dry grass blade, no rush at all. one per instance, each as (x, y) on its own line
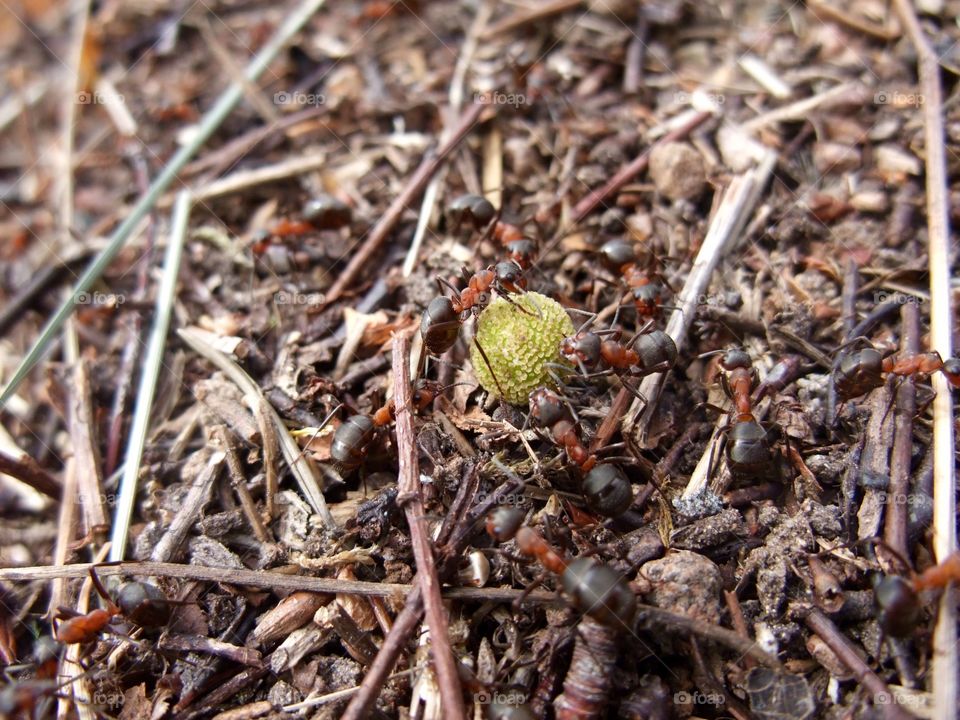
(148, 378)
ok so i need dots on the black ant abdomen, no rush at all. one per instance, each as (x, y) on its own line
(598, 591)
(143, 604)
(607, 490)
(350, 441)
(470, 208)
(748, 449)
(325, 212)
(898, 606)
(440, 325)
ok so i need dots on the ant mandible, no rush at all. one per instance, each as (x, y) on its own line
(352, 439)
(141, 603)
(862, 371)
(605, 487)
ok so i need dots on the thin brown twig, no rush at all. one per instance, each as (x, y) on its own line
(537, 13)
(430, 164)
(841, 647)
(410, 499)
(895, 527)
(26, 470)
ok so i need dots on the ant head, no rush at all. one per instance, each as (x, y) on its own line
(503, 523)
(736, 358)
(326, 212)
(614, 254)
(951, 368)
(509, 276)
(546, 407)
(584, 347)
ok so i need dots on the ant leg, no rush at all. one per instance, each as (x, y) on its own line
(101, 590)
(633, 391)
(486, 361)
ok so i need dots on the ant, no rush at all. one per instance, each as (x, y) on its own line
(862, 371)
(480, 213)
(605, 487)
(322, 212)
(141, 603)
(647, 353)
(648, 289)
(593, 588)
(352, 439)
(898, 599)
(749, 453)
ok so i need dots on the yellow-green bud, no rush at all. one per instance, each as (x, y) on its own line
(519, 344)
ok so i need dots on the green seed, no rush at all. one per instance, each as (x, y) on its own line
(519, 345)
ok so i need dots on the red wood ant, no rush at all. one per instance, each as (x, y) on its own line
(352, 439)
(898, 600)
(648, 289)
(862, 371)
(322, 212)
(749, 453)
(141, 603)
(441, 321)
(647, 353)
(605, 487)
(593, 588)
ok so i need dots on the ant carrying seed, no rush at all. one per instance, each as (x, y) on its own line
(140, 603)
(605, 487)
(862, 371)
(599, 353)
(353, 438)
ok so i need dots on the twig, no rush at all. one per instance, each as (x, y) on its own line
(216, 115)
(825, 11)
(409, 498)
(269, 581)
(895, 528)
(841, 647)
(946, 664)
(239, 483)
(403, 626)
(737, 205)
(27, 471)
(538, 12)
(153, 359)
(169, 546)
(852, 93)
(361, 258)
(86, 455)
